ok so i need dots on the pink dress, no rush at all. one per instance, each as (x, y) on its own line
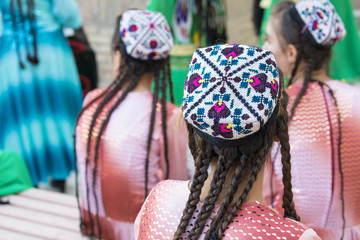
(161, 213)
(315, 163)
(120, 182)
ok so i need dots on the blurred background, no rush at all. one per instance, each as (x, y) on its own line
(98, 21)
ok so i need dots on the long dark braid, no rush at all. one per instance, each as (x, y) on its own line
(130, 72)
(307, 78)
(222, 169)
(107, 98)
(151, 129)
(315, 58)
(339, 163)
(119, 78)
(283, 135)
(130, 87)
(202, 163)
(288, 202)
(240, 171)
(163, 122)
(75, 151)
(332, 94)
(255, 171)
(110, 91)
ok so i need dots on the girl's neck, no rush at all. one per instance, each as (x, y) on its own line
(255, 194)
(319, 75)
(144, 84)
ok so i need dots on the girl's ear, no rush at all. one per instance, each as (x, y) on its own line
(291, 53)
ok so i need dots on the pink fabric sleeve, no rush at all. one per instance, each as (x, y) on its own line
(309, 234)
(138, 217)
(92, 95)
(177, 140)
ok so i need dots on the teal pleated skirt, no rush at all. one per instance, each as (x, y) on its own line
(39, 105)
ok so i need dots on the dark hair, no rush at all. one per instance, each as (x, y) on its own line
(130, 71)
(32, 19)
(316, 57)
(244, 159)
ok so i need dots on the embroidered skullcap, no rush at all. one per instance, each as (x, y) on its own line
(146, 34)
(319, 21)
(231, 93)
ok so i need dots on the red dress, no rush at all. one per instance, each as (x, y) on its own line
(120, 182)
(316, 181)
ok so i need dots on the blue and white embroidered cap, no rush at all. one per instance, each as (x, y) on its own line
(231, 92)
(146, 34)
(319, 19)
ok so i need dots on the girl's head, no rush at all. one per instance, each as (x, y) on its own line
(141, 43)
(303, 33)
(141, 37)
(301, 36)
(234, 106)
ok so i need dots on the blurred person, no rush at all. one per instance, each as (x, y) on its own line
(40, 93)
(346, 54)
(84, 57)
(128, 138)
(324, 127)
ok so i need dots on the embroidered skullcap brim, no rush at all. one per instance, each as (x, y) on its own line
(319, 22)
(146, 35)
(241, 141)
(297, 18)
(231, 92)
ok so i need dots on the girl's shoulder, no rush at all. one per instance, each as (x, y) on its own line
(343, 87)
(259, 220)
(171, 190)
(172, 108)
(162, 210)
(93, 94)
(172, 111)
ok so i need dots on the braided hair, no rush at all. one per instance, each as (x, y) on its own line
(315, 57)
(243, 160)
(130, 72)
(30, 4)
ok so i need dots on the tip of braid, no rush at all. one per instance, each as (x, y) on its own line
(33, 60)
(288, 203)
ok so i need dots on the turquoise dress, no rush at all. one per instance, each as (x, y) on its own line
(39, 103)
